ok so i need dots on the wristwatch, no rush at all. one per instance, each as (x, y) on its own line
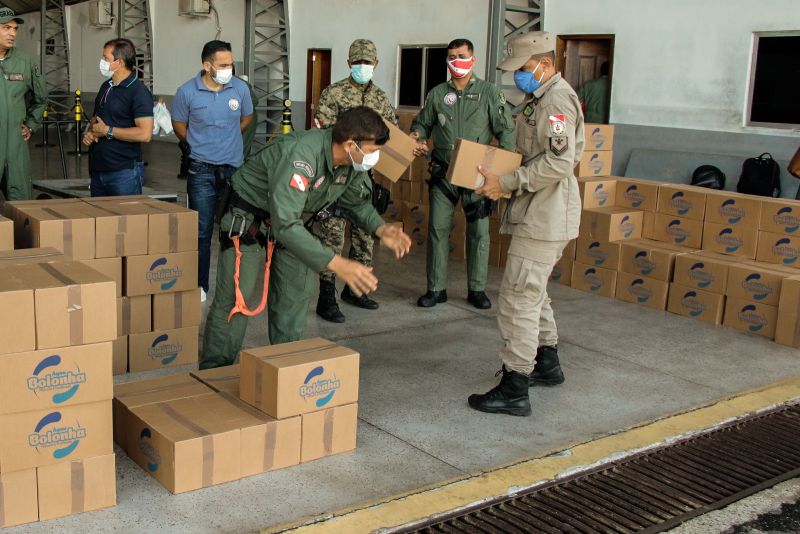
(109, 133)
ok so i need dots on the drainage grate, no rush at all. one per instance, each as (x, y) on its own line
(652, 491)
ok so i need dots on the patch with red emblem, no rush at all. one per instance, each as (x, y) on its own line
(299, 182)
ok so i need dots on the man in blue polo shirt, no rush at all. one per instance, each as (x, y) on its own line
(210, 112)
(122, 121)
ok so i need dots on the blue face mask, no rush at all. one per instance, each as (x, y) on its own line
(526, 81)
(362, 73)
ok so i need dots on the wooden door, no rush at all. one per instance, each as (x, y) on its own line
(318, 77)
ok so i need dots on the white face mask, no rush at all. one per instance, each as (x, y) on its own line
(368, 162)
(223, 76)
(105, 68)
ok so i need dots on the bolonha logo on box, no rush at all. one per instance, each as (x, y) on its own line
(730, 210)
(600, 194)
(149, 450)
(626, 226)
(594, 282)
(640, 291)
(786, 217)
(63, 440)
(783, 248)
(753, 284)
(596, 252)
(643, 262)
(695, 307)
(698, 274)
(159, 273)
(162, 349)
(726, 239)
(598, 138)
(750, 316)
(680, 203)
(318, 388)
(678, 232)
(557, 273)
(634, 196)
(595, 163)
(47, 378)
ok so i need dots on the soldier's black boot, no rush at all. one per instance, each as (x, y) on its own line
(510, 396)
(327, 308)
(547, 371)
(362, 302)
(479, 300)
(432, 298)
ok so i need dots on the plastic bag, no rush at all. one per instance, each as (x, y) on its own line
(162, 120)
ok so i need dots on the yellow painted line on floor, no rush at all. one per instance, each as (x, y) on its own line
(444, 497)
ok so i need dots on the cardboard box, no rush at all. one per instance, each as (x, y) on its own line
(78, 486)
(562, 272)
(700, 271)
(595, 280)
(611, 224)
(780, 216)
(682, 201)
(733, 209)
(133, 315)
(649, 225)
(397, 154)
(733, 240)
(119, 356)
(570, 250)
(644, 257)
(14, 210)
(599, 137)
(755, 281)
(598, 253)
(51, 379)
(6, 234)
(176, 310)
(595, 164)
(328, 432)
(459, 223)
(751, 317)
(110, 267)
(186, 444)
(494, 253)
(18, 498)
(637, 194)
(171, 228)
(416, 215)
(597, 192)
(66, 228)
(787, 331)
(160, 273)
(418, 235)
(24, 256)
(468, 155)
(17, 316)
(642, 290)
(301, 377)
(778, 248)
(163, 348)
(696, 303)
(118, 231)
(677, 230)
(396, 211)
(458, 245)
(46, 437)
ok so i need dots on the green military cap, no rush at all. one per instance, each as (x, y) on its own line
(7, 15)
(363, 50)
(520, 49)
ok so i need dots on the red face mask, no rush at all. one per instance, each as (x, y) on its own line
(460, 67)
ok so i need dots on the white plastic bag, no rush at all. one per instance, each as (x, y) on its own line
(162, 120)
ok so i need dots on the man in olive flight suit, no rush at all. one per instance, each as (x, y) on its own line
(357, 89)
(543, 215)
(297, 177)
(470, 108)
(23, 98)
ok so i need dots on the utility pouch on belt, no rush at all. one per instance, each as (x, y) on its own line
(480, 210)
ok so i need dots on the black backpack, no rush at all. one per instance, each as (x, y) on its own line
(708, 176)
(760, 176)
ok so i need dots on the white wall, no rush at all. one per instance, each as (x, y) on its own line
(86, 48)
(677, 63)
(334, 24)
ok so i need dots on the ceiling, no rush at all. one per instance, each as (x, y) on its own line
(27, 6)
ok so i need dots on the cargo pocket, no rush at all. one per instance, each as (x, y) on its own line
(519, 208)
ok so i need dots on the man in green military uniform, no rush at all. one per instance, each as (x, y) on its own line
(469, 108)
(23, 98)
(299, 176)
(358, 89)
(594, 97)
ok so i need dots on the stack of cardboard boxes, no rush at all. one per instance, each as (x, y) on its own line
(57, 322)
(283, 405)
(149, 247)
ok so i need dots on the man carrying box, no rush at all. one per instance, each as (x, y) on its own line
(469, 108)
(543, 215)
(276, 196)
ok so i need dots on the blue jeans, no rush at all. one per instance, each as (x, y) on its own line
(202, 186)
(118, 183)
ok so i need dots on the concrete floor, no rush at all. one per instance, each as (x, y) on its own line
(625, 365)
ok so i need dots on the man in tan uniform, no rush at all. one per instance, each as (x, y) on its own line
(543, 215)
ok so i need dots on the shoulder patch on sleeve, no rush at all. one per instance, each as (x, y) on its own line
(299, 182)
(558, 145)
(305, 167)
(558, 124)
(502, 97)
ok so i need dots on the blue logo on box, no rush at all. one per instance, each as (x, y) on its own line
(640, 291)
(634, 196)
(728, 209)
(678, 233)
(754, 285)
(729, 241)
(690, 301)
(160, 274)
(591, 278)
(679, 203)
(324, 388)
(750, 316)
(600, 194)
(62, 439)
(645, 264)
(699, 275)
(46, 378)
(150, 452)
(783, 248)
(786, 218)
(162, 349)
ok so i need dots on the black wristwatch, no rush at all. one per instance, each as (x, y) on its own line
(109, 133)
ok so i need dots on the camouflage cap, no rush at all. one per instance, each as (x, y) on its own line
(363, 49)
(7, 15)
(520, 49)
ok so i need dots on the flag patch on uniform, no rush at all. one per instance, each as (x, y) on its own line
(558, 124)
(299, 182)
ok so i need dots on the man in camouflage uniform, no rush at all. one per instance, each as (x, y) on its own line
(356, 90)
